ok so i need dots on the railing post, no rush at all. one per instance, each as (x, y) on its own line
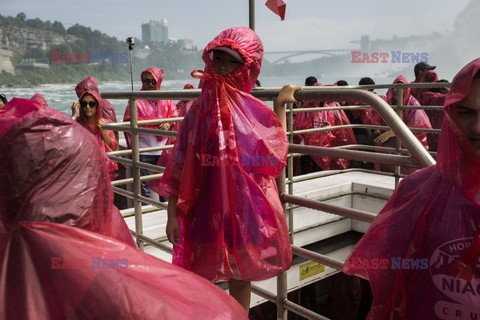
(282, 313)
(290, 168)
(251, 14)
(398, 144)
(136, 171)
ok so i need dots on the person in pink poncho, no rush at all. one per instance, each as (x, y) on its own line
(148, 110)
(225, 217)
(432, 97)
(333, 138)
(184, 105)
(108, 110)
(54, 171)
(90, 117)
(421, 254)
(413, 118)
(61, 243)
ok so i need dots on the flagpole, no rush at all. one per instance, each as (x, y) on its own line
(251, 14)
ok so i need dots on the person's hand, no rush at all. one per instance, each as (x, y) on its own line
(384, 137)
(75, 110)
(286, 95)
(100, 123)
(173, 230)
(165, 126)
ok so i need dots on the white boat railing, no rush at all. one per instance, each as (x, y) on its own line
(415, 156)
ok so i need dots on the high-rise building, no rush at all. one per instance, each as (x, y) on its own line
(155, 32)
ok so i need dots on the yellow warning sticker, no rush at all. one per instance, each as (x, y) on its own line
(310, 269)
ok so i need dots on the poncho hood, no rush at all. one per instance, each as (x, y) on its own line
(156, 73)
(248, 44)
(406, 91)
(456, 157)
(89, 86)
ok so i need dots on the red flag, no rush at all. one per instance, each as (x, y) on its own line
(278, 7)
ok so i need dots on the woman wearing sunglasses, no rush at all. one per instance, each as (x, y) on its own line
(90, 116)
(147, 110)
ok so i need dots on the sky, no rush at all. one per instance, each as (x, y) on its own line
(308, 24)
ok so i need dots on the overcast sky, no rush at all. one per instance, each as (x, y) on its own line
(309, 24)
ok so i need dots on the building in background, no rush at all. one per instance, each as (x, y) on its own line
(155, 32)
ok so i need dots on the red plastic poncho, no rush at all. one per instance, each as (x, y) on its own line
(339, 137)
(53, 271)
(412, 118)
(432, 219)
(110, 164)
(229, 150)
(151, 109)
(53, 170)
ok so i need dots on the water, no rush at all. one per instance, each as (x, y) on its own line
(61, 96)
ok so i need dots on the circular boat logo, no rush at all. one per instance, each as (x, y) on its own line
(464, 291)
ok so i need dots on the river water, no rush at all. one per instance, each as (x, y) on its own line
(61, 96)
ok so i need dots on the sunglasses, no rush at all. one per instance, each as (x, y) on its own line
(150, 82)
(91, 104)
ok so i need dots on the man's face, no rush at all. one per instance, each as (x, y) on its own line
(466, 115)
(149, 82)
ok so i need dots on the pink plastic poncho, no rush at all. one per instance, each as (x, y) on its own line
(412, 118)
(152, 109)
(38, 98)
(334, 138)
(53, 170)
(428, 77)
(412, 252)
(229, 150)
(431, 98)
(110, 164)
(58, 272)
(184, 105)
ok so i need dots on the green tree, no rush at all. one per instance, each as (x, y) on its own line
(22, 16)
(58, 27)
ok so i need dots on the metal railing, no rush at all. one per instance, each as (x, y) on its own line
(417, 156)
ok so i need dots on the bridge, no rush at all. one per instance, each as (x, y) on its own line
(277, 57)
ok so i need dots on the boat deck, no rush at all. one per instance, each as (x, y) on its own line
(320, 231)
